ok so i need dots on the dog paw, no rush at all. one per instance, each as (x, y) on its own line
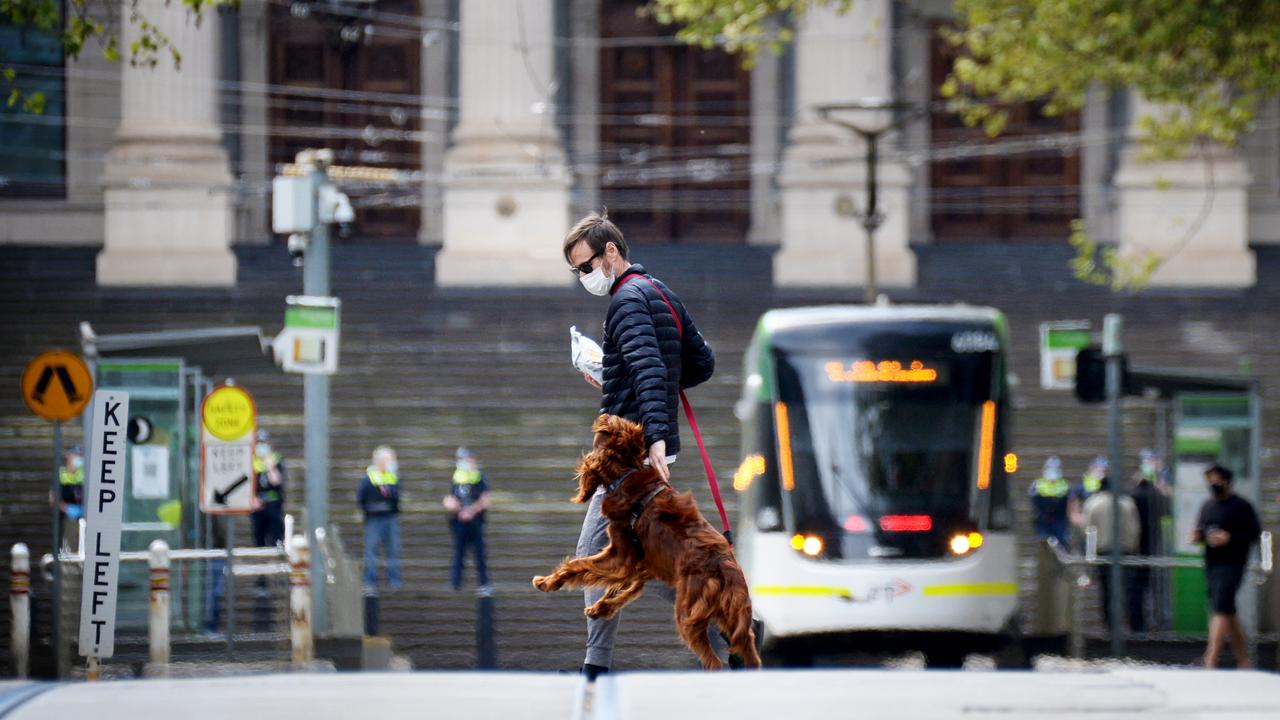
(544, 583)
(600, 612)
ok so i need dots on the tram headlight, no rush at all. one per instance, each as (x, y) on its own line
(810, 545)
(963, 543)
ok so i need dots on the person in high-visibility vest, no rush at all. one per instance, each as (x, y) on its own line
(269, 473)
(1049, 496)
(467, 501)
(70, 500)
(1089, 485)
(379, 499)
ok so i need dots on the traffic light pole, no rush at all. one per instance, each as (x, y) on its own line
(1113, 350)
(315, 398)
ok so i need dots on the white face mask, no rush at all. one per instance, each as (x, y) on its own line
(596, 282)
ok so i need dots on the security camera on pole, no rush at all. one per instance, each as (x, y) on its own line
(304, 204)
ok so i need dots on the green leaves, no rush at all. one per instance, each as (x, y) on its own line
(1106, 267)
(86, 22)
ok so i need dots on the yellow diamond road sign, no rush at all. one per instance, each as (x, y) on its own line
(57, 385)
(228, 413)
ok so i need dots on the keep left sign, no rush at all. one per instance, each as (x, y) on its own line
(104, 504)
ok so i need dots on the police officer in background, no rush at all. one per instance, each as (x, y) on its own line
(466, 503)
(1049, 501)
(379, 498)
(70, 500)
(268, 515)
(1090, 484)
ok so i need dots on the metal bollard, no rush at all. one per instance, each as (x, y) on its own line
(1091, 543)
(20, 610)
(288, 529)
(158, 620)
(300, 601)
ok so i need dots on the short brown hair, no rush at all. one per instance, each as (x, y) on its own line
(598, 231)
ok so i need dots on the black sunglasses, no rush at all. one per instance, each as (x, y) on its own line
(585, 267)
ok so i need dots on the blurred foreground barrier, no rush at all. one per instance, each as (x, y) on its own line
(303, 642)
(158, 618)
(20, 609)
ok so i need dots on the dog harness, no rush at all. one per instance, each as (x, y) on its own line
(638, 508)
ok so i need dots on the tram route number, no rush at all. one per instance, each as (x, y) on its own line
(974, 341)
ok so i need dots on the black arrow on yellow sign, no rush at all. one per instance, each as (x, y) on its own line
(64, 378)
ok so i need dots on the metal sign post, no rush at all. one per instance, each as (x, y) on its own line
(56, 386)
(1113, 350)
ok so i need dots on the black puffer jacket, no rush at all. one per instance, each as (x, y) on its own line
(646, 362)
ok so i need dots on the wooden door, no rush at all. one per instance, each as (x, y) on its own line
(675, 134)
(1018, 187)
(334, 86)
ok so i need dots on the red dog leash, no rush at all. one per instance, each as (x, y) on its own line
(688, 412)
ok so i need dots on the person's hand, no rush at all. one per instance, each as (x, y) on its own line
(658, 459)
(1218, 538)
(465, 514)
(255, 504)
(1196, 536)
(592, 381)
(451, 503)
(273, 477)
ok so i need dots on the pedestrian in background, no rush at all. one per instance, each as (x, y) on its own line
(466, 503)
(1151, 498)
(267, 519)
(378, 496)
(1049, 502)
(1228, 526)
(1090, 483)
(1098, 513)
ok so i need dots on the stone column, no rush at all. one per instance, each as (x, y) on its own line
(840, 59)
(1191, 212)
(765, 113)
(506, 197)
(254, 213)
(436, 49)
(167, 185)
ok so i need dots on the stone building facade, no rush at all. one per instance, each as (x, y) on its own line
(507, 119)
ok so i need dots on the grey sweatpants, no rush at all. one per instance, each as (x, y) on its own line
(593, 539)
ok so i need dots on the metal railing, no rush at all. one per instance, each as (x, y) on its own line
(291, 611)
(1074, 570)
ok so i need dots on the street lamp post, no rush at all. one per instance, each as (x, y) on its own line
(872, 218)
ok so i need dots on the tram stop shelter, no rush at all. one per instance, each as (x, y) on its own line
(167, 374)
(1202, 419)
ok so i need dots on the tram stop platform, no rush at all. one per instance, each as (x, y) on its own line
(1149, 694)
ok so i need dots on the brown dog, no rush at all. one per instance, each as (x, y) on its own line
(655, 533)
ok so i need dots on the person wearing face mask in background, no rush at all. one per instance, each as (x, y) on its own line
(70, 500)
(379, 498)
(1049, 500)
(652, 350)
(1228, 526)
(1090, 484)
(267, 519)
(1151, 496)
(466, 503)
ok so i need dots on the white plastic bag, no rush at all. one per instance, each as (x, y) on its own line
(586, 354)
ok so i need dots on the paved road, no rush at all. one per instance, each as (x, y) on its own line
(1119, 693)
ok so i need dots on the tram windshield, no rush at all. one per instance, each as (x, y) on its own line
(886, 439)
